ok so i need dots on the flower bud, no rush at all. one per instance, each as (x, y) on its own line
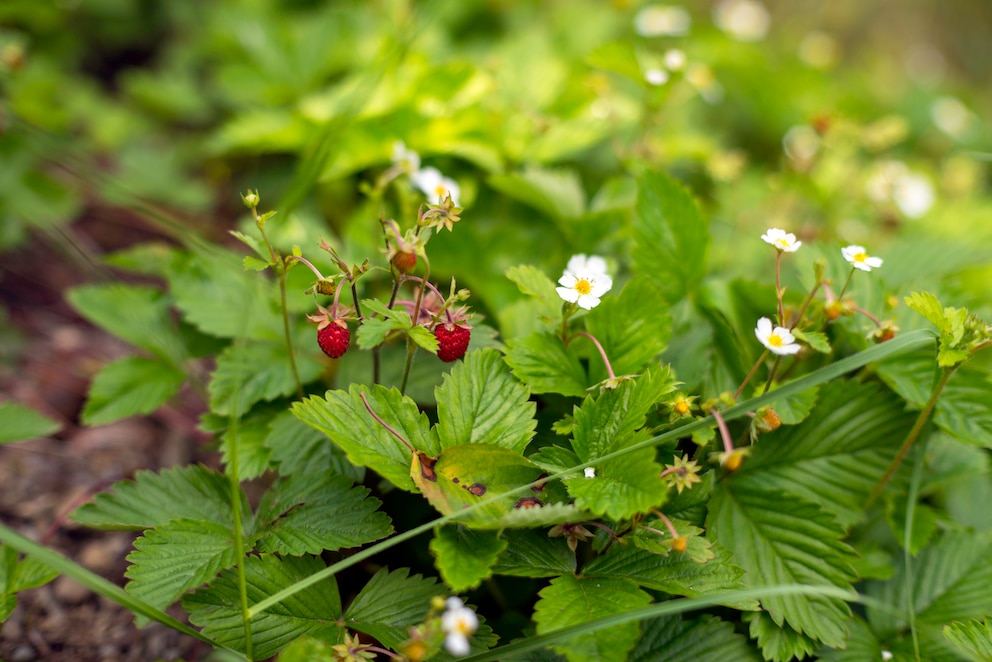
(250, 199)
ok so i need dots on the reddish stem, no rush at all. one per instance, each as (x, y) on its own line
(602, 352)
(728, 444)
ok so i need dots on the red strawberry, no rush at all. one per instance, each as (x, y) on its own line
(334, 338)
(405, 262)
(452, 341)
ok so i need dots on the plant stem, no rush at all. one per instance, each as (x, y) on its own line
(911, 437)
(802, 309)
(754, 369)
(602, 352)
(288, 334)
(778, 287)
(846, 283)
(728, 444)
(771, 374)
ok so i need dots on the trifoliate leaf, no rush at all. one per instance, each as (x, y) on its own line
(571, 600)
(172, 558)
(531, 553)
(217, 608)
(192, 492)
(676, 573)
(342, 416)
(622, 486)
(543, 363)
(672, 639)
(374, 330)
(136, 313)
(784, 539)
(308, 514)
(300, 449)
(480, 402)
(254, 264)
(607, 423)
(20, 423)
(390, 603)
(465, 556)
(698, 548)
(778, 642)
(424, 338)
(927, 305)
(973, 638)
(134, 385)
(837, 455)
(670, 236)
(248, 372)
(633, 328)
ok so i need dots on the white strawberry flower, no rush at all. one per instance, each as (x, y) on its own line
(435, 185)
(662, 21)
(778, 340)
(589, 472)
(583, 262)
(859, 258)
(583, 287)
(458, 623)
(782, 240)
(406, 159)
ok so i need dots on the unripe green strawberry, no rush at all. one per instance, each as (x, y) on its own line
(452, 341)
(334, 339)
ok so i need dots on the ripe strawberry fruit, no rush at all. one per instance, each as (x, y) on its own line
(334, 339)
(405, 262)
(452, 341)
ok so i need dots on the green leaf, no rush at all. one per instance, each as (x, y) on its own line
(20, 423)
(794, 409)
(252, 243)
(467, 475)
(535, 283)
(220, 298)
(138, 314)
(670, 237)
(676, 573)
(248, 372)
(837, 455)
(308, 514)
(622, 487)
(531, 553)
(465, 556)
(481, 402)
(172, 558)
(949, 581)
(310, 649)
(816, 340)
(973, 638)
(963, 409)
(217, 608)
(860, 645)
(778, 642)
(254, 457)
(254, 264)
(557, 193)
(300, 449)
(924, 525)
(16, 576)
(927, 305)
(130, 386)
(633, 328)
(607, 423)
(151, 499)
(570, 600)
(424, 338)
(374, 330)
(672, 639)
(342, 417)
(784, 539)
(544, 364)
(390, 603)
(912, 376)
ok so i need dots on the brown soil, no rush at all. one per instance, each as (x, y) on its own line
(47, 357)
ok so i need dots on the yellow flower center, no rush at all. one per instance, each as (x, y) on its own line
(682, 406)
(775, 340)
(583, 286)
(782, 242)
(464, 627)
(860, 257)
(440, 190)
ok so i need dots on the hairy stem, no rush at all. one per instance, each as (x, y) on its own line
(602, 352)
(754, 369)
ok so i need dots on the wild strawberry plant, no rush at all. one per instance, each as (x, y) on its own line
(493, 418)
